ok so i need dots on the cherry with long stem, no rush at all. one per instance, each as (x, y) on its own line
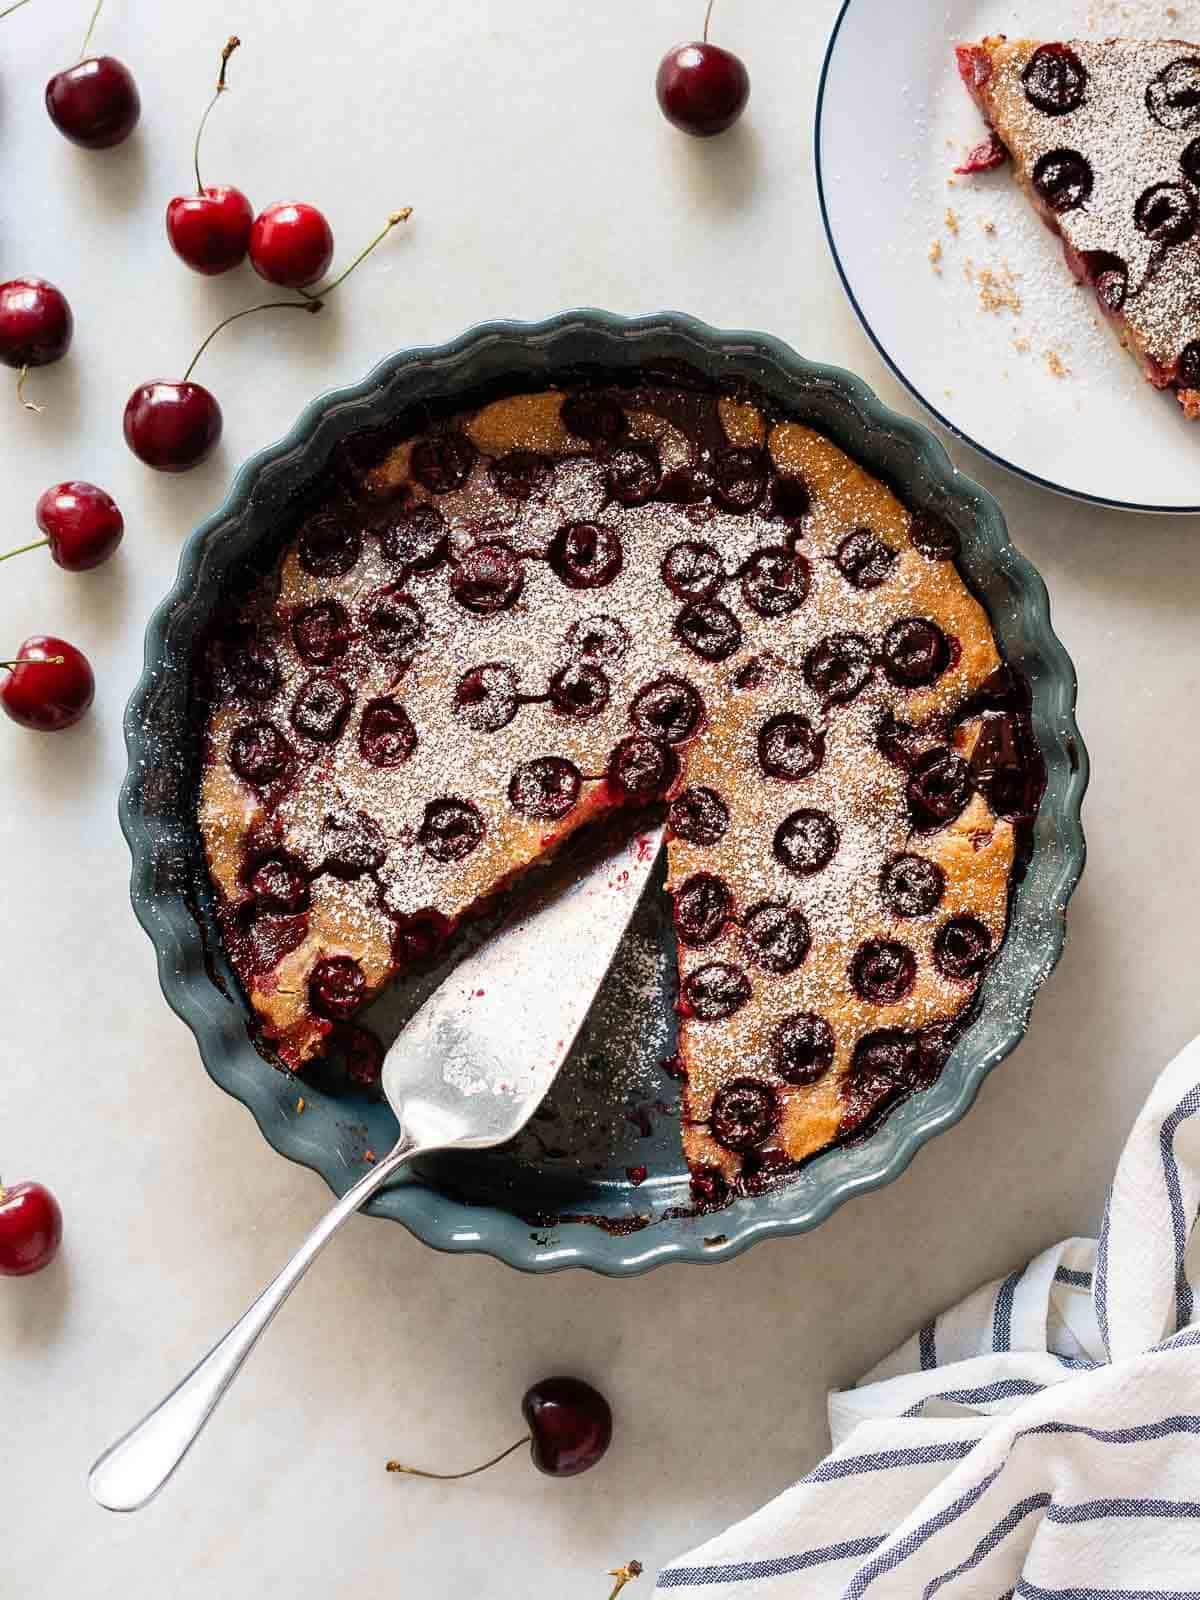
(451, 1477)
(209, 229)
(16, 6)
(20, 551)
(231, 44)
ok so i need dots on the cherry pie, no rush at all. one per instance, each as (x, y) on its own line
(1105, 139)
(504, 624)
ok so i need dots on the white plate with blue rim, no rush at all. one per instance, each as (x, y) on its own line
(963, 290)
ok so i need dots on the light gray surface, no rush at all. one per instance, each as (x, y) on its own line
(526, 135)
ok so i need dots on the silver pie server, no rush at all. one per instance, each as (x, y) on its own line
(467, 1072)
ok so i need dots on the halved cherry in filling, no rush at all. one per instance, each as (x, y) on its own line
(863, 560)
(790, 497)
(1173, 95)
(451, 829)
(595, 417)
(271, 937)
(634, 474)
(806, 842)
(360, 1054)
(702, 906)
(518, 474)
(486, 696)
(709, 629)
(915, 652)
(709, 1188)
(776, 936)
(1054, 79)
(586, 555)
(321, 707)
(692, 569)
(1189, 365)
(279, 883)
(386, 736)
(443, 463)
(1166, 213)
(252, 668)
(414, 537)
(802, 1048)
(883, 1065)
(939, 788)
(715, 991)
(934, 537)
(839, 668)
(699, 815)
(740, 478)
(744, 1115)
(419, 937)
(669, 708)
(1064, 179)
(598, 638)
(328, 547)
(321, 632)
(962, 948)
(259, 753)
(789, 747)
(883, 971)
(775, 581)
(579, 690)
(899, 743)
(337, 987)
(546, 787)
(641, 768)
(489, 578)
(911, 885)
(1109, 276)
(352, 843)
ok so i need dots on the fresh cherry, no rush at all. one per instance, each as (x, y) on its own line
(82, 525)
(172, 427)
(702, 88)
(210, 230)
(95, 103)
(49, 686)
(291, 244)
(31, 1229)
(35, 327)
(570, 1428)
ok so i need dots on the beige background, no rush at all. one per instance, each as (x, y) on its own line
(526, 135)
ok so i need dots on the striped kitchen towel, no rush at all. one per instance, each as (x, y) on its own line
(1041, 1440)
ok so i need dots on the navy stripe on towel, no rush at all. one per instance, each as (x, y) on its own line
(745, 1571)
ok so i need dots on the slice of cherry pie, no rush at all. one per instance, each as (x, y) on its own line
(536, 612)
(1104, 137)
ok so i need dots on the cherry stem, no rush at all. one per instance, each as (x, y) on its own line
(87, 38)
(28, 404)
(708, 18)
(328, 288)
(448, 1477)
(268, 305)
(8, 10)
(231, 45)
(21, 549)
(33, 661)
(624, 1575)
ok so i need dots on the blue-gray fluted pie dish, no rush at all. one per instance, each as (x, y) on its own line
(600, 1181)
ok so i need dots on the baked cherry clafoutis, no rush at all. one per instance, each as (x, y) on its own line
(1104, 137)
(521, 618)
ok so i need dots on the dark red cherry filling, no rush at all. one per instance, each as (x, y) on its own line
(395, 624)
(259, 753)
(328, 547)
(1054, 79)
(321, 632)
(337, 987)
(1166, 213)
(360, 1053)
(279, 883)
(692, 569)
(1173, 95)
(915, 652)
(451, 829)
(321, 707)
(415, 537)
(962, 948)
(419, 937)
(863, 560)
(546, 787)
(911, 886)
(776, 936)
(598, 638)
(641, 768)
(939, 788)
(740, 478)
(489, 578)
(899, 742)
(934, 537)
(634, 474)
(839, 668)
(883, 1065)
(669, 708)
(802, 1048)
(883, 971)
(486, 697)
(579, 690)
(709, 1188)
(386, 736)
(702, 907)
(443, 463)
(271, 937)
(745, 1113)
(789, 747)
(775, 581)
(352, 843)
(1189, 160)
(709, 629)
(790, 498)
(715, 991)
(806, 842)
(1189, 365)
(586, 555)
(518, 474)
(699, 815)
(595, 417)
(1007, 771)
(685, 486)
(1064, 179)
(1109, 275)
(252, 669)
